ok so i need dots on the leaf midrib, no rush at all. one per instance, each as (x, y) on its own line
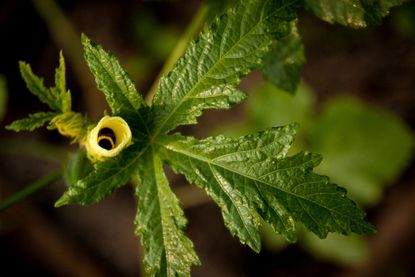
(214, 173)
(133, 110)
(161, 209)
(208, 161)
(200, 81)
(123, 169)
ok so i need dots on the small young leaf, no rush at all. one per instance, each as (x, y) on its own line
(160, 223)
(228, 49)
(34, 121)
(114, 82)
(282, 65)
(36, 87)
(250, 175)
(353, 13)
(59, 91)
(106, 177)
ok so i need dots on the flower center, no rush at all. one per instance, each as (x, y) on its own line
(106, 138)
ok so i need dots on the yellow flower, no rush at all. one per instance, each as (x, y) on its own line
(111, 135)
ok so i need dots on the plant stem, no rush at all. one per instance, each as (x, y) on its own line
(33, 149)
(30, 189)
(180, 48)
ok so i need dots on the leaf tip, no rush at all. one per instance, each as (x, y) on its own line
(84, 38)
(64, 200)
(368, 228)
(10, 127)
(24, 67)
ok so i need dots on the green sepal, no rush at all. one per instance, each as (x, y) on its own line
(71, 124)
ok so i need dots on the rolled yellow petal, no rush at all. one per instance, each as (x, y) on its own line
(111, 135)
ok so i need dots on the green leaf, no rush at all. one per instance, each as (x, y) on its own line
(34, 121)
(364, 147)
(218, 7)
(376, 10)
(353, 13)
(251, 176)
(59, 91)
(57, 98)
(114, 82)
(229, 48)
(106, 177)
(3, 96)
(36, 87)
(282, 65)
(160, 223)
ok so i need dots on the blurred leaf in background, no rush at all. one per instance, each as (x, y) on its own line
(151, 51)
(363, 147)
(3, 96)
(271, 106)
(343, 250)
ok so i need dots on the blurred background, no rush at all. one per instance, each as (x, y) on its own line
(356, 106)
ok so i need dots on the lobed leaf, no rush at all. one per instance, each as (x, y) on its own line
(114, 82)
(59, 91)
(36, 86)
(282, 65)
(34, 121)
(353, 13)
(251, 177)
(229, 48)
(160, 222)
(106, 177)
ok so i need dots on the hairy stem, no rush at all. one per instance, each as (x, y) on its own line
(194, 26)
(30, 189)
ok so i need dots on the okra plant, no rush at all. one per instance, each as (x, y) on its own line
(251, 178)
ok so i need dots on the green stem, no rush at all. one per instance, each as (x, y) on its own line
(22, 194)
(180, 48)
(34, 149)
